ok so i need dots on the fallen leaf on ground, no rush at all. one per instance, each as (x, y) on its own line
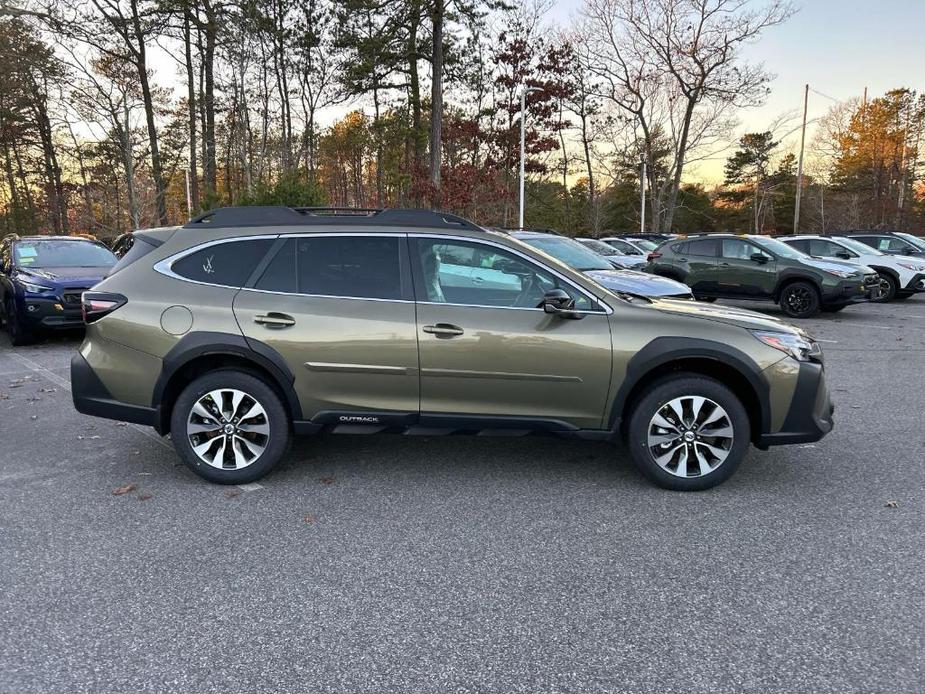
(48, 390)
(119, 491)
(121, 424)
(16, 385)
(232, 493)
(892, 504)
(144, 497)
(326, 480)
(310, 518)
(34, 417)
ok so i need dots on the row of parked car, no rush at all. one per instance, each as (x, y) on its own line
(42, 277)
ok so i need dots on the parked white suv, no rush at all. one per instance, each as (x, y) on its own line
(900, 276)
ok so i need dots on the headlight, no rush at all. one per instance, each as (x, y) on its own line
(845, 274)
(914, 268)
(801, 348)
(34, 288)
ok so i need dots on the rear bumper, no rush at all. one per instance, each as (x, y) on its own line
(91, 397)
(810, 415)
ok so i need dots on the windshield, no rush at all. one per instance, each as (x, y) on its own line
(913, 240)
(61, 253)
(858, 247)
(600, 247)
(569, 252)
(780, 248)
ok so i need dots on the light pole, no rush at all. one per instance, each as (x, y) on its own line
(523, 116)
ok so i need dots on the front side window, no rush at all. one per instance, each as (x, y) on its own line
(361, 267)
(229, 263)
(826, 249)
(737, 249)
(569, 252)
(61, 253)
(499, 278)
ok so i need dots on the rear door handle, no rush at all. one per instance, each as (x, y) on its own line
(274, 320)
(443, 330)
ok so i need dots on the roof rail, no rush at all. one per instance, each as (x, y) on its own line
(279, 215)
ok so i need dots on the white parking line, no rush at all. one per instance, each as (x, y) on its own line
(65, 385)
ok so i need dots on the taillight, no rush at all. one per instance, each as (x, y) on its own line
(95, 305)
(654, 255)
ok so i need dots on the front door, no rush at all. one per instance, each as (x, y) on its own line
(489, 355)
(339, 309)
(740, 273)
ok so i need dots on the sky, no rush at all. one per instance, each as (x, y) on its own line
(838, 47)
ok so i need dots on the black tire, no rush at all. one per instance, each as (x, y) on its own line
(903, 297)
(276, 418)
(686, 385)
(889, 286)
(20, 336)
(800, 300)
(830, 308)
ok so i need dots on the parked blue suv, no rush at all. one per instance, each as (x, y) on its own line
(41, 280)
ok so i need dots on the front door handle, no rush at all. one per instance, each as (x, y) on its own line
(274, 320)
(443, 330)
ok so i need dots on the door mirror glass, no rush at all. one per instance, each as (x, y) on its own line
(557, 302)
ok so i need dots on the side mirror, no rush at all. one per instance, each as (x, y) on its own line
(759, 258)
(909, 250)
(557, 302)
(844, 255)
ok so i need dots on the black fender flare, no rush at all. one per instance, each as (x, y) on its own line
(202, 343)
(665, 350)
(789, 278)
(886, 271)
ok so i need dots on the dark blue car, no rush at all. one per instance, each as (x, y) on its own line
(41, 280)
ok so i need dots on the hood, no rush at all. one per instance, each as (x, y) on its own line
(84, 276)
(731, 315)
(638, 283)
(827, 264)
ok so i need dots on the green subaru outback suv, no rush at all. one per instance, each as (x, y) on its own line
(249, 325)
(764, 269)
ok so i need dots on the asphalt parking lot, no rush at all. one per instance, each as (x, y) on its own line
(393, 564)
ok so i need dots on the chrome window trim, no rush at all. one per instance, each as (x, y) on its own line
(165, 267)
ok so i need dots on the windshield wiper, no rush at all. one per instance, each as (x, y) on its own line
(631, 296)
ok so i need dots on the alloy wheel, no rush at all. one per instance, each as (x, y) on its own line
(228, 429)
(799, 299)
(690, 436)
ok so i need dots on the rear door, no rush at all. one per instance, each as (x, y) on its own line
(489, 355)
(740, 274)
(339, 309)
(699, 256)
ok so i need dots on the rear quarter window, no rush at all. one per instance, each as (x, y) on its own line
(229, 263)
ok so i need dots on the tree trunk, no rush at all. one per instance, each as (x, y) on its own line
(209, 165)
(592, 191)
(679, 163)
(128, 165)
(436, 102)
(191, 106)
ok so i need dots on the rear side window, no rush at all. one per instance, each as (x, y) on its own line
(229, 263)
(801, 245)
(703, 247)
(363, 267)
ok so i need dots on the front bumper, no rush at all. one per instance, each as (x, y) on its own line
(810, 415)
(850, 292)
(49, 314)
(91, 397)
(916, 284)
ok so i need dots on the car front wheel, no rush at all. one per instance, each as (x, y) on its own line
(688, 433)
(230, 427)
(800, 300)
(888, 289)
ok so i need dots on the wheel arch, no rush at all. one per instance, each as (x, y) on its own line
(201, 352)
(666, 356)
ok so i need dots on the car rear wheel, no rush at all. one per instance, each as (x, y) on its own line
(799, 300)
(688, 433)
(888, 288)
(230, 427)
